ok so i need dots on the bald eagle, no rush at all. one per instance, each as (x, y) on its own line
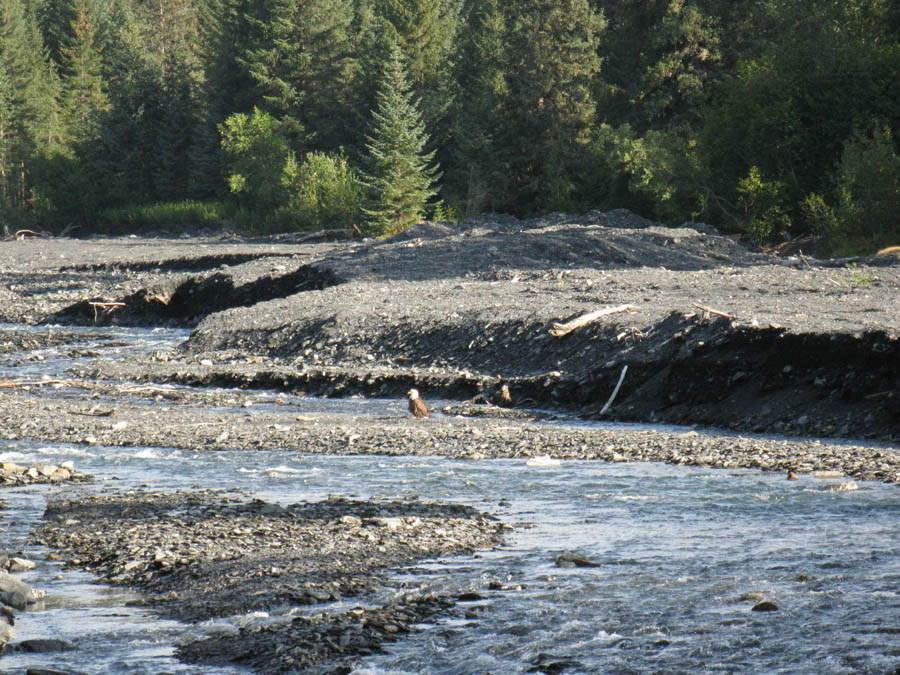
(416, 405)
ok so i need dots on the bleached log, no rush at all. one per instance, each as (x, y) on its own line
(713, 311)
(563, 329)
(612, 397)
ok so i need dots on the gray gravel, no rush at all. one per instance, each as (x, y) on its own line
(718, 335)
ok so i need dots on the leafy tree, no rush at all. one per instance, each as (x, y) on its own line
(868, 193)
(400, 176)
(789, 112)
(257, 153)
(325, 193)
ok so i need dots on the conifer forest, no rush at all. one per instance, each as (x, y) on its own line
(769, 118)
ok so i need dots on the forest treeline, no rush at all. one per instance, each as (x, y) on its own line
(769, 117)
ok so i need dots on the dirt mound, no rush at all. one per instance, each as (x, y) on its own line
(466, 307)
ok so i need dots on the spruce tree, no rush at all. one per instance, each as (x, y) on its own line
(474, 174)
(304, 71)
(85, 96)
(550, 110)
(401, 175)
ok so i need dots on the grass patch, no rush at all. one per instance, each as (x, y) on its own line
(166, 215)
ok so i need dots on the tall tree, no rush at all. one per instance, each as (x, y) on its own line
(305, 71)
(473, 174)
(400, 175)
(427, 31)
(29, 112)
(550, 111)
(85, 90)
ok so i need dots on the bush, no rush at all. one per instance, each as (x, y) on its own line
(324, 193)
(761, 202)
(868, 193)
(256, 151)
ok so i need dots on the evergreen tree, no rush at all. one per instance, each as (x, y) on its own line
(85, 91)
(427, 31)
(29, 118)
(401, 176)
(550, 110)
(476, 179)
(305, 70)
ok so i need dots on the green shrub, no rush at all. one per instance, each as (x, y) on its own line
(761, 203)
(324, 193)
(256, 152)
(868, 193)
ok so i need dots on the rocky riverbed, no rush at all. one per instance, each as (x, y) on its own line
(705, 332)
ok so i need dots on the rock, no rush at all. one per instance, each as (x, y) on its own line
(46, 470)
(19, 565)
(9, 467)
(765, 606)
(16, 593)
(60, 474)
(389, 523)
(7, 632)
(827, 474)
(44, 645)
(575, 560)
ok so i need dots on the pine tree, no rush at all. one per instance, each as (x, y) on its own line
(477, 181)
(550, 111)
(401, 176)
(304, 72)
(85, 96)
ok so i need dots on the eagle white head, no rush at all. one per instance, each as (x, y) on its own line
(417, 406)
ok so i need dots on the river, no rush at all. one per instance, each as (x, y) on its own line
(681, 555)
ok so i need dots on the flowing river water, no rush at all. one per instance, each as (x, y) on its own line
(684, 553)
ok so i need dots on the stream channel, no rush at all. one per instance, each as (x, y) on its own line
(684, 555)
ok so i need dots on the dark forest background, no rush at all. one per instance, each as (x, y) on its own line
(772, 118)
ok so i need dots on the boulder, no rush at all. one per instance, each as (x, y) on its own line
(16, 593)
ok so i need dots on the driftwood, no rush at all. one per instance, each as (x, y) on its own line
(94, 413)
(346, 233)
(21, 234)
(11, 384)
(713, 311)
(563, 329)
(107, 307)
(612, 397)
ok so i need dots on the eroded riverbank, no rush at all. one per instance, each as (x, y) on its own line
(711, 334)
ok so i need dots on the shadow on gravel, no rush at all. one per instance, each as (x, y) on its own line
(185, 300)
(196, 264)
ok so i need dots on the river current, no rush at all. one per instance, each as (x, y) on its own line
(684, 554)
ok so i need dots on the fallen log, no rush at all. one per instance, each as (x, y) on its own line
(713, 311)
(107, 307)
(563, 329)
(10, 384)
(612, 396)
